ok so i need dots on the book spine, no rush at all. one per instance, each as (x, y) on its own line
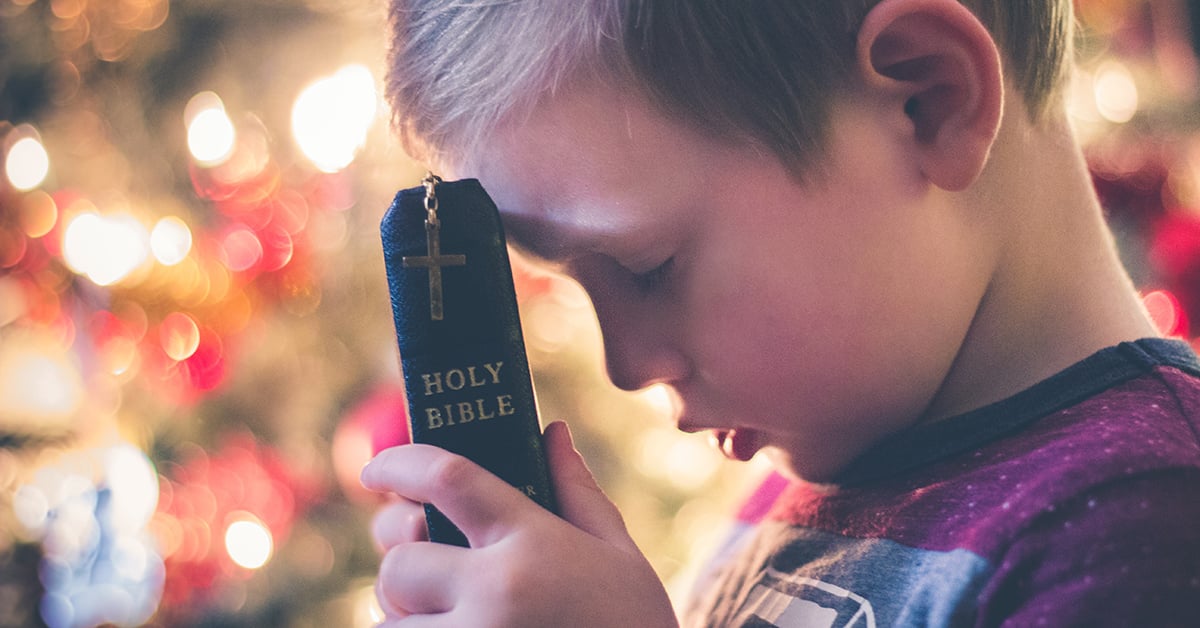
(466, 373)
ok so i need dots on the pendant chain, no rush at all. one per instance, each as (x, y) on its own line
(431, 202)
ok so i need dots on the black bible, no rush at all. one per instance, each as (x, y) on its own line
(462, 352)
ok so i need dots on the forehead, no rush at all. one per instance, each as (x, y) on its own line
(589, 165)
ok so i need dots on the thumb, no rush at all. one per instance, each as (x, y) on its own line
(581, 502)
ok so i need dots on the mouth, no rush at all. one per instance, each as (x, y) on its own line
(736, 444)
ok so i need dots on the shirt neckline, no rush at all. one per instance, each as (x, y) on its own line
(928, 443)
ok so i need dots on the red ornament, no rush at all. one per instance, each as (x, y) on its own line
(1175, 253)
(375, 423)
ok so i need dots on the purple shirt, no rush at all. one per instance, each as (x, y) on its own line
(1073, 503)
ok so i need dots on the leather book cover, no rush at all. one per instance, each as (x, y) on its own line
(462, 351)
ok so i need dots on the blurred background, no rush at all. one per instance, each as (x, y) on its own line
(196, 351)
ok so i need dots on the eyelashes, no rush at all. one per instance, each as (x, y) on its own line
(654, 278)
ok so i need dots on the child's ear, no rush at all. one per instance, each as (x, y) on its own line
(935, 61)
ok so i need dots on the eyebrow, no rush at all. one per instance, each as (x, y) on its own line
(538, 243)
(554, 237)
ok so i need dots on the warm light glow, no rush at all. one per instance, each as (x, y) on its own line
(105, 248)
(248, 542)
(211, 136)
(170, 240)
(242, 249)
(31, 507)
(27, 163)
(119, 356)
(332, 116)
(367, 611)
(35, 382)
(662, 399)
(134, 484)
(1165, 310)
(1116, 93)
(180, 336)
(686, 461)
(39, 213)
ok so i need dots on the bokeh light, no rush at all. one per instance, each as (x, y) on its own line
(105, 249)
(248, 542)
(1166, 311)
(38, 380)
(134, 486)
(180, 336)
(1116, 92)
(27, 163)
(211, 136)
(241, 249)
(332, 116)
(170, 240)
(39, 214)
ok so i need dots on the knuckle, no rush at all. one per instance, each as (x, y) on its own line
(449, 471)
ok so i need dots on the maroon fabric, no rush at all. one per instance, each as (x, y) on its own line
(1087, 515)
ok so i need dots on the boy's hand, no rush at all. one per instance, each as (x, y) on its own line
(525, 567)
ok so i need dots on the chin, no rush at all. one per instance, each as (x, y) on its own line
(801, 468)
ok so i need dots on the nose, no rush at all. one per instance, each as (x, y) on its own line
(641, 338)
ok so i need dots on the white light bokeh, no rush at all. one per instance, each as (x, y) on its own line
(105, 249)
(27, 163)
(332, 116)
(170, 241)
(38, 382)
(211, 134)
(134, 486)
(248, 542)
(1116, 92)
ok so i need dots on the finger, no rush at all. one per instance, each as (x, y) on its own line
(441, 620)
(580, 499)
(419, 578)
(482, 505)
(400, 521)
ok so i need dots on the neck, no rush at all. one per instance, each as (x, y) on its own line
(1058, 292)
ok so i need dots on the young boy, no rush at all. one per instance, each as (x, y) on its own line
(855, 235)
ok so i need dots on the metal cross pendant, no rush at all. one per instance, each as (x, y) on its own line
(434, 263)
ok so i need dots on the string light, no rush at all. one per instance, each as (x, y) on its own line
(248, 541)
(1116, 92)
(27, 163)
(105, 249)
(180, 336)
(332, 116)
(37, 380)
(211, 136)
(170, 241)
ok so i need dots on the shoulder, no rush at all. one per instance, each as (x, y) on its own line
(1110, 511)
(1127, 548)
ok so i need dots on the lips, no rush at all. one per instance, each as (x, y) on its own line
(736, 444)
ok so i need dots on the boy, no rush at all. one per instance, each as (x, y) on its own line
(856, 235)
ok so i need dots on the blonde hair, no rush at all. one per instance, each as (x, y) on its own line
(760, 71)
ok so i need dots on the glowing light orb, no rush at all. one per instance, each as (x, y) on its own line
(27, 163)
(1116, 92)
(241, 249)
(180, 336)
(249, 543)
(331, 117)
(36, 381)
(211, 135)
(39, 213)
(105, 249)
(1166, 311)
(134, 487)
(170, 241)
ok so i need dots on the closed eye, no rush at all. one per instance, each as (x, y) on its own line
(654, 278)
